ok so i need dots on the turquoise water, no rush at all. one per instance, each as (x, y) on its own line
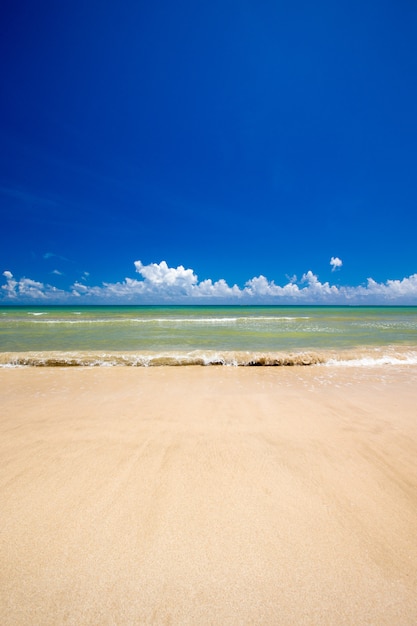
(213, 329)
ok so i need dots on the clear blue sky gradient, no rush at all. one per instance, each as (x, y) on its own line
(236, 138)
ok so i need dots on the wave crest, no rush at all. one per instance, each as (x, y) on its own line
(350, 358)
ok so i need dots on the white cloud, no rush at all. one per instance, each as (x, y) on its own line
(159, 283)
(262, 287)
(335, 262)
(26, 289)
(10, 286)
(160, 277)
(316, 288)
(310, 289)
(218, 289)
(391, 290)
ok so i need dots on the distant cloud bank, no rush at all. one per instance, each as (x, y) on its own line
(161, 284)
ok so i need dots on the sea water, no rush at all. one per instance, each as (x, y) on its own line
(235, 335)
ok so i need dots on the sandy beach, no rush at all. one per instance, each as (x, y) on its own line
(208, 495)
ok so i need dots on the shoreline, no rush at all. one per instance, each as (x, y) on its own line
(208, 495)
(366, 356)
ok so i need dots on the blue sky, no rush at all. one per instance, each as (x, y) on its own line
(233, 140)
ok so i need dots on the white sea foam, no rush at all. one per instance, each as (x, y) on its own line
(185, 320)
(168, 321)
(71, 322)
(207, 358)
(152, 359)
(11, 365)
(368, 361)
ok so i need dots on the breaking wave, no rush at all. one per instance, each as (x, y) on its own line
(351, 358)
(373, 361)
(215, 321)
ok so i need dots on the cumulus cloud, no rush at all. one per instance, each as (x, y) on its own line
(262, 287)
(336, 263)
(309, 289)
(390, 291)
(178, 281)
(26, 289)
(167, 279)
(10, 286)
(159, 283)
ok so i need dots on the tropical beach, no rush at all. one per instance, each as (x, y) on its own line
(208, 313)
(208, 495)
(151, 474)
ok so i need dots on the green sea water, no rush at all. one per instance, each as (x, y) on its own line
(209, 330)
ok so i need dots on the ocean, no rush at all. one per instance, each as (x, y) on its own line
(206, 335)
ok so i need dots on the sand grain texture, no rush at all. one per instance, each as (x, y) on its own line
(215, 495)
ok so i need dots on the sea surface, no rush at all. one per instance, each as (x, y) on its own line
(207, 335)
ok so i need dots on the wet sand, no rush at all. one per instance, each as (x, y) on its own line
(208, 495)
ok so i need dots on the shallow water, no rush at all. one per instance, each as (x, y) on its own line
(154, 335)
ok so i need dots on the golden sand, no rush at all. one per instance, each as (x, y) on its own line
(213, 495)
